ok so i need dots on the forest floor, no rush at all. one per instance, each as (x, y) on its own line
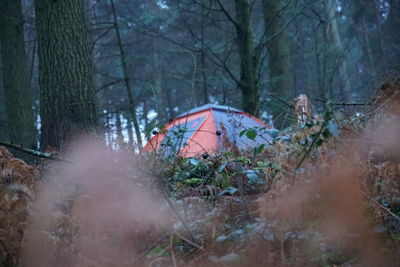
(324, 194)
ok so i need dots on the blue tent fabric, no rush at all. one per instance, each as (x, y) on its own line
(235, 123)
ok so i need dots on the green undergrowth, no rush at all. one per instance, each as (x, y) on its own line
(232, 205)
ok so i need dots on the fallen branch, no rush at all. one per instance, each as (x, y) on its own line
(29, 151)
(344, 103)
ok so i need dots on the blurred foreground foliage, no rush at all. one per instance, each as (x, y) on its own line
(323, 193)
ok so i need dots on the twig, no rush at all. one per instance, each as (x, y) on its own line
(183, 221)
(378, 204)
(109, 84)
(309, 148)
(144, 253)
(222, 8)
(281, 100)
(363, 141)
(171, 247)
(190, 242)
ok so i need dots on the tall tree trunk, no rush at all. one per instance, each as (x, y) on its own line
(336, 40)
(381, 37)
(203, 59)
(390, 29)
(170, 104)
(320, 53)
(147, 125)
(108, 133)
(248, 60)
(279, 58)
(301, 73)
(368, 53)
(131, 99)
(158, 86)
(65, 72)
(392, 26)
(16, 80)
(120, 136)
(3, 116)
(130, 131)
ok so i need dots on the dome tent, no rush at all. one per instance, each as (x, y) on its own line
(209, 129)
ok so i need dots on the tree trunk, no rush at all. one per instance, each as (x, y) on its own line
(321, 51)
(301, 73)
(3, 116)
(203, 60)
(109, 132)
(368, 53)
(120, 136)
(248, 60)
(279, 58)
(170, 104)
(158, 85)
(132, 100)
(381, 37)
(65, 72)
(130, 132)
(390, 28)
(345, 89)
(145, 119)
(16, 80)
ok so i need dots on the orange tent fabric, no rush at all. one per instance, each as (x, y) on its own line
(204, 129)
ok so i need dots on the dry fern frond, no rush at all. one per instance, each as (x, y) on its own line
(17, 183)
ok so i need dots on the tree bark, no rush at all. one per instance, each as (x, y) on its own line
(248, 60)
(16, 80)
(279, 57)
(65, 72)
(3, 117)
